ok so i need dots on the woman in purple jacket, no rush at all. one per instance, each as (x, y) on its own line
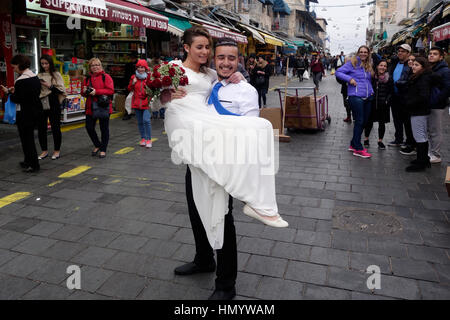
(358, 74)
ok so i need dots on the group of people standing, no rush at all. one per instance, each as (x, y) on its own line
(413, 87)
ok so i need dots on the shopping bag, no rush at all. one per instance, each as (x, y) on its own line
(10, 112)
(306, 75)
(333, 71)
(128, 102)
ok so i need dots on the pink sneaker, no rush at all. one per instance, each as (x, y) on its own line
(142, 143)
(148, 144)
(362, 153)
(353, 149)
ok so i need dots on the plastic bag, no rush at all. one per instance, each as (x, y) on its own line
(333, 71)
(128, 101)
(10, 112)
(306, 75)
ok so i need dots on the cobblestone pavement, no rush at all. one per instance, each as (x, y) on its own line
(124, 221)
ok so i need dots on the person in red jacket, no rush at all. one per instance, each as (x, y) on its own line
(140, 102)
(317, 70)
(95, 86)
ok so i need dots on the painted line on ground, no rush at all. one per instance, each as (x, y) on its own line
(54, 183)
(74, 172)
(13, 198)
(74, 126)
(124, 150)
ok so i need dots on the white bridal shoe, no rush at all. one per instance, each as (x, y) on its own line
(278, 223)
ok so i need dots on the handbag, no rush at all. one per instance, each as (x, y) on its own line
(260, 80)
(99, 112)
(10, 112)
(128, 101)
(45, 103)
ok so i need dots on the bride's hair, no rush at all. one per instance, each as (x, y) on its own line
(188, 38)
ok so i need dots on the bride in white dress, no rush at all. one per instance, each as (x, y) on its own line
(194, 129)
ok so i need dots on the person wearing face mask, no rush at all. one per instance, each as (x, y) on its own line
(358, 74)
(400, 71)
(440, 92)
(52, 95)
(25, 94)
(140, 102)
(383, 86)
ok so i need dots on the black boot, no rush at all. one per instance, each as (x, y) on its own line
(423, 161)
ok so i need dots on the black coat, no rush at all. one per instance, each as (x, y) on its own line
(417, 99)
(26, 93)
(380, 111)
(401, 83)
(266, 76)
(440, 90)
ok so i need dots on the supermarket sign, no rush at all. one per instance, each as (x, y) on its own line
(441, 33)
(112, 10)
(215, 32)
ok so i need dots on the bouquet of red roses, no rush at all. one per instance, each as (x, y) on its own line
(165, 76)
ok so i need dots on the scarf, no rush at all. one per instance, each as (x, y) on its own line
(141, 76)
(262, 64)
(57, 82)
(27, 73)
(383, 78)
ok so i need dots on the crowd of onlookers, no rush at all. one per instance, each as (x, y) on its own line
(413, 87)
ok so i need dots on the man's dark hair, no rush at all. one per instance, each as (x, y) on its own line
(226, 42)
(441, 51)
(23, 62)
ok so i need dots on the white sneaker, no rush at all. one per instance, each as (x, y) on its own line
(148, 144)
(278, 223)
(434, 159)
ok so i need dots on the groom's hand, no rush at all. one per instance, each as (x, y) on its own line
(236, 77)
(168, 95)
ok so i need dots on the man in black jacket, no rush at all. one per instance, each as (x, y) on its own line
(439, 95)
(399, 71)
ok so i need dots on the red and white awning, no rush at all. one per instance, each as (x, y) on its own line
(116, 10)
(216, 32)
(441, 33)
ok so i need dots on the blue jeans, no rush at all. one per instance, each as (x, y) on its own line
(143, 119)
(361, 112)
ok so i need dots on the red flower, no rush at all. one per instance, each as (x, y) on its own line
(157, 83)
(172, 72)
(182, 70)
(150, 84)
(166, 81)
(156, 74)
(165, 62)
(185, 81)
(155, 68)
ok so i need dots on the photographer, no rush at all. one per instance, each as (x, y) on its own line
(98, 87)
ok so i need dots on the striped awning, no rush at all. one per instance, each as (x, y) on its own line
(256, 35)
(272, 40)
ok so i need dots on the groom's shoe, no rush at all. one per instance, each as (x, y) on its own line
(223, 294)
(192, 268)
(278, 223)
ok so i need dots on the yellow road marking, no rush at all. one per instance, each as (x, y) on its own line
(13, 198)
(74, 172)
(116, 181)
(124, 150)
(74, 126)
(154, 139)
(55, 183)
(164, 132)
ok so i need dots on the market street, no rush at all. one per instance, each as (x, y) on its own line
(123, 220)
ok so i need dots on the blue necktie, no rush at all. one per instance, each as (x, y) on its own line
(214, 99)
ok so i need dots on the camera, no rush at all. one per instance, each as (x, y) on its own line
(89, 90)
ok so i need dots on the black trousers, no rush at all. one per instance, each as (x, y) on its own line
(227, 256)
(26, 134)
(261, 94)
(104, 128)
(54, 114)
(402, 119)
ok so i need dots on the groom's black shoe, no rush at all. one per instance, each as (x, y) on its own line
(223, 294)
(191, 268)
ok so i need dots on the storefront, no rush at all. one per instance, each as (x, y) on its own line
(73, 33)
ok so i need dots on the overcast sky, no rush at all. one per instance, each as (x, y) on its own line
(347, 38)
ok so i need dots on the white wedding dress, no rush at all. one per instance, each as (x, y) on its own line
(190, 123)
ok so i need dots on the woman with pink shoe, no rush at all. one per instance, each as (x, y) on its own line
(358, 74)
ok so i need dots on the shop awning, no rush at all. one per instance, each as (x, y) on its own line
(442, 32)
(434, 14)
(446, 11)
(116, 10)
(256, 35)
(299, 43)
(216, 32)
(269, 2)
(272, 40)
(281, 6)
(177, 26)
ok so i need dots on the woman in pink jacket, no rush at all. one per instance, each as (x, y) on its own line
(140, 102)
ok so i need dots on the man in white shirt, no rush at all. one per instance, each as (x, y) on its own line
(240, 99)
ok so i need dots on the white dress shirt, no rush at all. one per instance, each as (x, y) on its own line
(240, 98)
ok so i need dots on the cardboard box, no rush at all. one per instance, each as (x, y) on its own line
(119, 102)
(273, 115)
(304, 106)
(447, 181)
